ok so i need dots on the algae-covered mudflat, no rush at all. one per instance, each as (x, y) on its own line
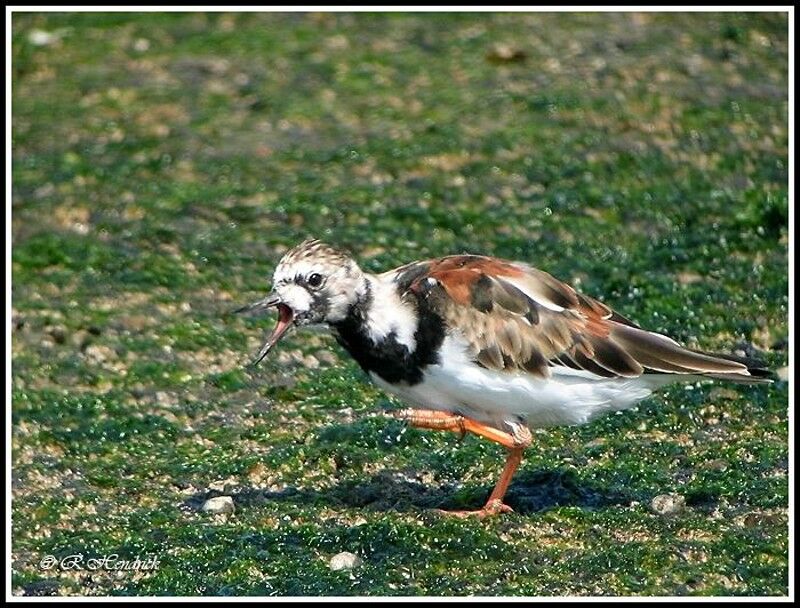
(162, 163)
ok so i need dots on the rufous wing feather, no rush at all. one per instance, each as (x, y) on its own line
(517, 318)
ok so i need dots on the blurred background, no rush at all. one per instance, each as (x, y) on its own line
(163, 162)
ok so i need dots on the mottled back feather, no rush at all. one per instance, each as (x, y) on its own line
(517, 318)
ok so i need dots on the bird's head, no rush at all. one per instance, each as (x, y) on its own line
(313, 283)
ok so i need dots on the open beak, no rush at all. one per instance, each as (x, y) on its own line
(285, 318)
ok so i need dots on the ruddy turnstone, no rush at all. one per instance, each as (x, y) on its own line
(483, 345)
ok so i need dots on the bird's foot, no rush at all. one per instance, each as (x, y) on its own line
(493, 507)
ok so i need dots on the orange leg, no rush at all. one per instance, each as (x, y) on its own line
(516, 441)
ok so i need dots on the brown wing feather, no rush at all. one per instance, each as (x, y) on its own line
(518, 318)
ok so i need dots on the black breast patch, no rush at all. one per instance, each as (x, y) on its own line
(388, 358)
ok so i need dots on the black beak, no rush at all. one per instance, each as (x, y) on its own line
(285, 318)
(270, 301)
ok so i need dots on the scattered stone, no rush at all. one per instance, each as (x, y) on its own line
(98, 353)
(70, 217)
(345, 561)
(346, 413)
(759, 520)
(166, 399)
(47, 342)
(139, 390)
(503, 53)
(170, 417)
(257, 473)
(44, 190)
(326, 357)
(291, 357)
(219, 504)
(783, 373)
(222, 485)
(687, 278)
(58, 333)
(284, 358)
(80, 339)
(42, 38)
(135, 323)
(284, 381)
(717, 464)
(668, 504)
(310, 362)
(720, 393)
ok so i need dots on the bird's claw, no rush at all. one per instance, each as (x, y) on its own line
(493, 507)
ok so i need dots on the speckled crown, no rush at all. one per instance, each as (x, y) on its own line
(316, 249)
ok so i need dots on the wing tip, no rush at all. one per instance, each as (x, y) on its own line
(755, 369)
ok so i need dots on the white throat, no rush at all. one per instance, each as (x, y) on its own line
(388, 314)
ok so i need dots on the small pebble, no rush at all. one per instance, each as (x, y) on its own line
(718, 464)
(503, 53)
(58, 333)
(218, 485)
(47, 342)
(667, 504)
(326, 357)
(759, 520)
(219, 504)
(97, 353)
(346, 413)
(345, 561)
(310, 362)
(722, 394)
(166, 399)
(135, 323)
(80, 339)
(42, 38)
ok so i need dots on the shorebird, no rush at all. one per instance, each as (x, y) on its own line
(483, 345)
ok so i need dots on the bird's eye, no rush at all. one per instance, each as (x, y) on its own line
(314, 280)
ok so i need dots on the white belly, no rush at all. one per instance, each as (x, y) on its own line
(495, 397)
